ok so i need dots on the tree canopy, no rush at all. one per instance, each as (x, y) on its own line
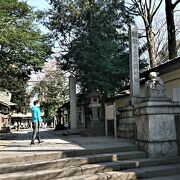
(93, 40)
(23, 47)
(52, 90)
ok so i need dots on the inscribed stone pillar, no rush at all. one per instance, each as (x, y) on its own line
(134, 62)
(126, 128)
(83, 116)
(73, 108)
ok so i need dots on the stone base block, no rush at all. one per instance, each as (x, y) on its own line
(156, 132)
(125, 134)
(159, 149)
(156, 128)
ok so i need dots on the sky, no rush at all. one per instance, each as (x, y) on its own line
(38, 4)
(44, 5)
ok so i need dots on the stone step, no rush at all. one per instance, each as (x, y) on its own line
(137, 165)
(68, 153)
(171, 177)
(38, 165)
(112, 175)
(156, 171)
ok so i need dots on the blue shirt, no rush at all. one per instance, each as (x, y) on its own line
(36, 114)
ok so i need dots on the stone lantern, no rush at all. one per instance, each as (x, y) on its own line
(95, 126)
(95, 106)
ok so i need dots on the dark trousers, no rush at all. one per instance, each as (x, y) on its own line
(35, 134)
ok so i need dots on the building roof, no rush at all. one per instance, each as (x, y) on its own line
(166, 67)
(8, 104)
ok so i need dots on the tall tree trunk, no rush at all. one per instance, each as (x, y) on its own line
(171, 29)
(151, 46)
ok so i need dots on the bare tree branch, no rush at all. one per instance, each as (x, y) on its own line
(140, 9)
(146, 6)
(150, 4)
(177, 10)
(154, 6)
(175, 4)
(153, 14)
(160, 28)
(147, 10)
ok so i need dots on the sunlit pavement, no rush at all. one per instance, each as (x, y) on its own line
(18, 142)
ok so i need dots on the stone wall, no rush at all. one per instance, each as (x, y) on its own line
(126, 127)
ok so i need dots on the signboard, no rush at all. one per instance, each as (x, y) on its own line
(109, 112)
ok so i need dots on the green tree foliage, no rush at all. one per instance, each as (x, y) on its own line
(94, 41)
(52, 91)
(22, 47)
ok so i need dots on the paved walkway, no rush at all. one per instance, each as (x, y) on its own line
(18, 142)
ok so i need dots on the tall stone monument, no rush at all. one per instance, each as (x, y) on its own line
(73, 107)
(134, 62)
(126, 128)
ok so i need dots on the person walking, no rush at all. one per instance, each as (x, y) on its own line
(36, 121)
